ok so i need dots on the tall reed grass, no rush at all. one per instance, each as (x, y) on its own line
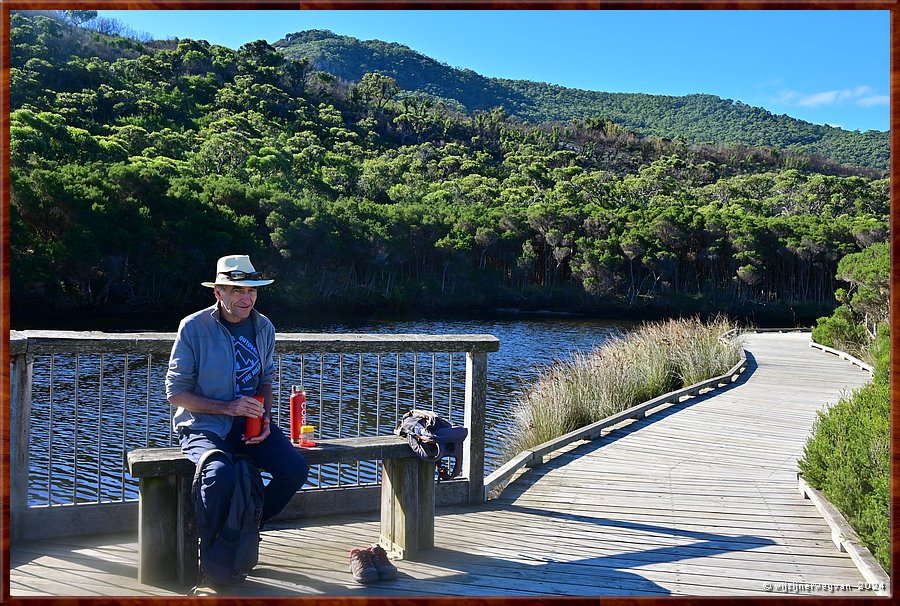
(651, 361)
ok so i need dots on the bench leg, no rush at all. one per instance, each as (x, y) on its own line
(158, 529)
(426, 504)
(188, 555)
(407, 506)
(167, 533)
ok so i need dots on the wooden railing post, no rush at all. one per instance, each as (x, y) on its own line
(475, 402)
(21, 365)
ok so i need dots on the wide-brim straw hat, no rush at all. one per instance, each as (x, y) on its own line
(237, 270)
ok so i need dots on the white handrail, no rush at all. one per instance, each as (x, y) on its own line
(844, 356)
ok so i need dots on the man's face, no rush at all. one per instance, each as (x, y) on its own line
(236, 302)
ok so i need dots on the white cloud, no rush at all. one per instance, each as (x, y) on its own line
(862, 96)
(829, 97)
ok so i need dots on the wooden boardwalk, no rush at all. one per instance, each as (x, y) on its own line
(698, 499)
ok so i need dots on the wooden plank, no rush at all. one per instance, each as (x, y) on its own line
(502, 474)
(65, 520)
(844, 356)
(354, 343)
(401, 516)
(20, 419)
(187, 545)
(424, 501)
(534, 456)
(144, 462)
(18, 344)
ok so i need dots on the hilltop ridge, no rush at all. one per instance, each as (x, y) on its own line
(696, 118)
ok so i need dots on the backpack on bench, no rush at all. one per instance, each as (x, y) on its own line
(433, 438)
(228, 554)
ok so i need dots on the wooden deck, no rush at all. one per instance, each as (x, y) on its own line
(698, 499)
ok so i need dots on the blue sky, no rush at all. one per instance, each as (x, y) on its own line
(825, 67)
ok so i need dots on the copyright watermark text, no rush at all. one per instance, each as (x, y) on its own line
(815, 588)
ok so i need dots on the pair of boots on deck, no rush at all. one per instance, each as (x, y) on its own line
(371, 564)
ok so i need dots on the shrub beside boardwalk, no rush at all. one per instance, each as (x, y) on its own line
(847, 456)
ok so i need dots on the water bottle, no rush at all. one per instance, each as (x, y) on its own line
(298, 412)
(254, 424)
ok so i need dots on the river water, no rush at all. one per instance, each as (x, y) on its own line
(75, 465)
(526, 346)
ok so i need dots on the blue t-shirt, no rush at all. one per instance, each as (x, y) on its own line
(246, 357)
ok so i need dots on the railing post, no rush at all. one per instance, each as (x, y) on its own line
(21, 366)
(475, 401)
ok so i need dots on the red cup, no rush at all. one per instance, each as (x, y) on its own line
(254, 424)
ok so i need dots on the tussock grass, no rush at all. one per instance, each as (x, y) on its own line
(655, 359)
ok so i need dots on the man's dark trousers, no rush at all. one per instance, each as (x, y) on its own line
(275, 454)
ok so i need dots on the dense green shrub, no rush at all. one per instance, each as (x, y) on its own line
(848, 458)
(840, 332)
(853, 326)
(847, 455)
(880, 354)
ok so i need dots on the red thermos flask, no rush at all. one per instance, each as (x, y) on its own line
(254, 424)
(298, 412)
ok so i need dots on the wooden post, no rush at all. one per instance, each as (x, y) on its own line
(407, 506)
(20, 371)
(158, 531)
(188, 549)
(475, 402)
(400, 519)
(425, 472)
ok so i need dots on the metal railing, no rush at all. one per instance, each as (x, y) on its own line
(81, 400)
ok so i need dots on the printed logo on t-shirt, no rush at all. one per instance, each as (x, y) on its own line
(246, 365)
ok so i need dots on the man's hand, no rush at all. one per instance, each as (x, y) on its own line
(246, 406)
(263, 434)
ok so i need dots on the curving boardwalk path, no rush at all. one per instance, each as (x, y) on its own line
(698, 499)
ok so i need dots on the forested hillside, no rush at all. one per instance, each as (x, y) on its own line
(695, 118)
(135, 166)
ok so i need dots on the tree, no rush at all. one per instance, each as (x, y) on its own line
(77, 18)
(376, 90)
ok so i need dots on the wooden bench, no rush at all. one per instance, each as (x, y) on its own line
(167, 535)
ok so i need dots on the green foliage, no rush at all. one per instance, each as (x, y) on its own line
(839, 331)
(880, 354)
(693, 118)
(848, 458)
(126, 157)
(864, 307)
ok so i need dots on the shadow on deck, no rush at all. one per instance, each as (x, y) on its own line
(470, 559)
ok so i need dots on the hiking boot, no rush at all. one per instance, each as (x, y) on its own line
(362, 566)
(202, 590)
(386, 570)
